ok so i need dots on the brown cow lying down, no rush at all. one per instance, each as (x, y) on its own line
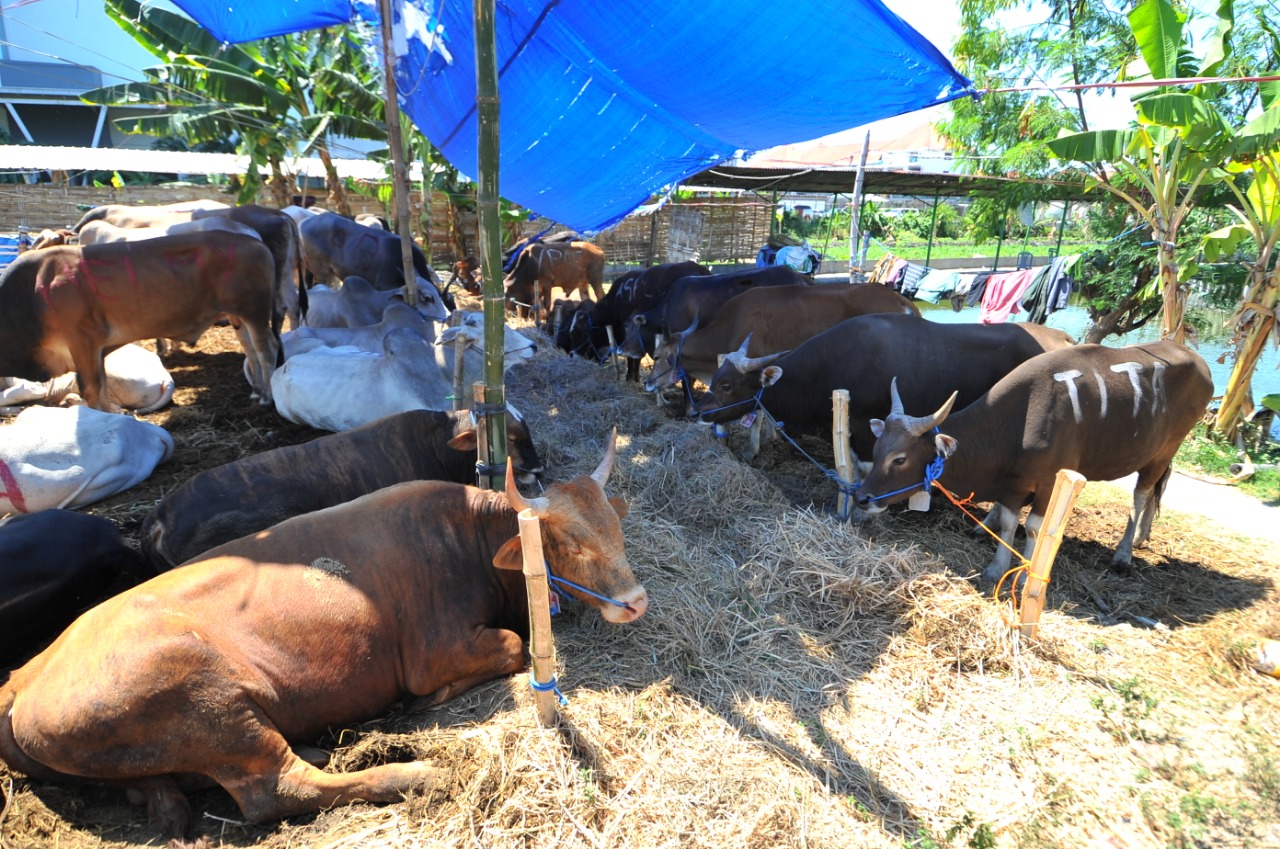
(63, 308)
(216, 669)
(256, 492)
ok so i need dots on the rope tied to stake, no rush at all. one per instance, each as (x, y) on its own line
(552, 686)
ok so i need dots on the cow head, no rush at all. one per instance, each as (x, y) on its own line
(467, 272)
(905, 446)
(586, 336)
(736, 385)
(582, 540)
(522, 454)
(638, 339)
(666, 360)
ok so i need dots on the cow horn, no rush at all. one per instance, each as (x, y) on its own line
(895, 400)
(601, 474)
(517, 501)
(692, 327)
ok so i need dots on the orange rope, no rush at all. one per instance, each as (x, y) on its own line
(1024, 565)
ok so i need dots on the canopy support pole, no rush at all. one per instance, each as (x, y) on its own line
(1062, 227)
(1001, 226)
(855, 213)
(487, 200)
(399, 182)
(933, 226)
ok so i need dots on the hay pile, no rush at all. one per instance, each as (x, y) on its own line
(803, 682)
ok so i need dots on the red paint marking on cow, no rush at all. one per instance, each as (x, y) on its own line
(130, 271)
(11, 489)
(86, 278)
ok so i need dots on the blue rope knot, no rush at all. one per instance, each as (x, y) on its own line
(552, 686)
(933, 471)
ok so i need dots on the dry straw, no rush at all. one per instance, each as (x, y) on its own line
(797, 681)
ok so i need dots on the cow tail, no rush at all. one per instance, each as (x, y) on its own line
(1158, 491)
(10, 752)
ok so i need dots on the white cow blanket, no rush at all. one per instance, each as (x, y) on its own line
(72, 456)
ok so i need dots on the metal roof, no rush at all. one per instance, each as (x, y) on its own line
(833, 180)
(23, 157)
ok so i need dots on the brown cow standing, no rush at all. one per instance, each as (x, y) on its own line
(216, 668)
(62, 309)
(572, 267)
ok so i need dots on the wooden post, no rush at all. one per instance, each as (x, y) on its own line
(542, 647)
(459, 391)
(399, 182)
(840, 444)
(537, 304)
(855, 213)
(657, 343)
(1066, 487)
(613, 352)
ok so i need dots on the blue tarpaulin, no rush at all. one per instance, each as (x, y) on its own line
(607, 102)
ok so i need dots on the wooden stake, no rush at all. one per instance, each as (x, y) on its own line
(1066, 488)
(840, 444)
(542, 647)
(613, 352)
(399, 180)
(459, 391)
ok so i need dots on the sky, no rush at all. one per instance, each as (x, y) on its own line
(939, 21)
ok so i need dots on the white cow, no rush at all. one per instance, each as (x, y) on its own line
(367, 337)
(72, 456)
(136, 380)
(356, 303)
(341, 388)
(103, 232)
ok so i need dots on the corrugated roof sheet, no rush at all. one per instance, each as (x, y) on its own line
(22, 157)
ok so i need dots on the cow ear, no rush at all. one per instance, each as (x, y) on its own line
(770, 375)
(619, 506)
(465, 441)
(877, 427)
(509, 556)
(946, 444)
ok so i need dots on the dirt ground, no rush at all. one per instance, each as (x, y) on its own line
(798, 681)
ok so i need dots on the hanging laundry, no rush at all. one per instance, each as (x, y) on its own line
(936, 285)
(977, 288)
(1000, 301)
(1050, 289)
(911, 278)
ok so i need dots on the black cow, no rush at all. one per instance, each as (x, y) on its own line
(256, 492)
(700, 298)
(862, 355)
(53, 565)
(633, 292)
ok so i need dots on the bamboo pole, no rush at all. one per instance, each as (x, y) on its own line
(482, 417)
(399, 182)
(487, 200)
(459, 391)
(840, 443)
(1066, 488)
(542, 647)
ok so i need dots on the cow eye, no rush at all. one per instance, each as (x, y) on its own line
(898, 461)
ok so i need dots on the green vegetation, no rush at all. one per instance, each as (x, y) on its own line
(1203, 454)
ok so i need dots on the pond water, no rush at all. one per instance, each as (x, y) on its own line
(1075, 320)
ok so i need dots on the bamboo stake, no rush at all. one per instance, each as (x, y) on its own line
(542, 648)
(840, 443)
(1066, 488)
(482, 436)
(459, 392)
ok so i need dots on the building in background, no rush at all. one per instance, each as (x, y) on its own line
(50, 52)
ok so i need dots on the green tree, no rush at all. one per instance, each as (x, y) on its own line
(276, 98)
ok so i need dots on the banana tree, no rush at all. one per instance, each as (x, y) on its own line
(1170, 154)
(276, 97)
(1254, 321)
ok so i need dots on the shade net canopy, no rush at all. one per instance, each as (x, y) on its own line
(605, 103)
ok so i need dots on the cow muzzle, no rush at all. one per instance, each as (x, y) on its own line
(633, 606)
